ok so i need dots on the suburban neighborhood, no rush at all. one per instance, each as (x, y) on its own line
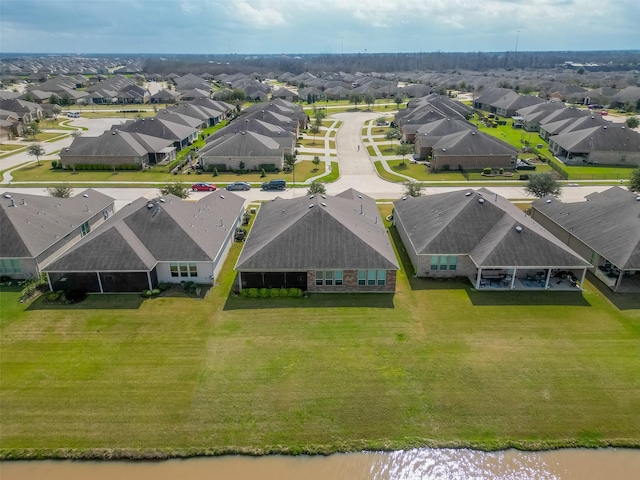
(272, 257)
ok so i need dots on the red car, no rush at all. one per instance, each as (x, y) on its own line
(604, 112)
(203, 187)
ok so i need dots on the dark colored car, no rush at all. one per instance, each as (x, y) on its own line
(274, 185)
(203, 187)
(238, 186)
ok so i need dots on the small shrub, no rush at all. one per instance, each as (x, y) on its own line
(501, 171)
(263, 293)
(146, 293)
(52, 297)
(295, 292)
(252, 292)
(54, 164)
(263, 173)
(155, 291)
(486, 171)
(163, 286)
(274, 292)
(283, 292)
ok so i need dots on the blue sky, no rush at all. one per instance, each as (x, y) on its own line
(322, 26)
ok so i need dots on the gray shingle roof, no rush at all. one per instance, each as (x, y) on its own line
(303, 234)
(32, 226)
(608, 222)
(482, 225)
(611, 137)
(137, 237)
(470, 142)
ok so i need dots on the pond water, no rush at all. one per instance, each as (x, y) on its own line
(578, 464)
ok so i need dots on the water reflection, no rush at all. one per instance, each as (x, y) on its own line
(418, 464)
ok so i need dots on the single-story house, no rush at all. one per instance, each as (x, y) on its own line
(149, 242)
(485, 238)
(319, 243)
(611, 144)
(35, 229)
(604, 228)
(472, 150)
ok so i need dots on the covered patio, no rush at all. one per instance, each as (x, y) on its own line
(564, 279)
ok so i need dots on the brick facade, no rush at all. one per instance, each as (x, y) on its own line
(350, 283)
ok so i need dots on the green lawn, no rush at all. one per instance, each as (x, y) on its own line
(43, 173)
(318, 142)
(330, 372)
(10, 147)
(325, 373)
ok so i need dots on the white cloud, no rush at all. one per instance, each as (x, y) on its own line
(258, 13)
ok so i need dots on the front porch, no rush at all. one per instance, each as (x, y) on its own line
(527, 279)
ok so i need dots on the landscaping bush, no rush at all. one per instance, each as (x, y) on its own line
(263, 293)
(274, 292)
(52, 297)
(146, 293)
(270, 292)
(163, 286)
(501, 171)
(155, 291)
(268, 167)
(486, 171)
(54, 164)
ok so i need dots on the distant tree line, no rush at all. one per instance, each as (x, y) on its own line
(623, 60)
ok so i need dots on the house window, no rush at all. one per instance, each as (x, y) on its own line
(453, 262)
(382, 277)
(183, 269)
(371, 277)
(435, 259)
(174, 269)
(329, 277)
(362, 277)
(84, 229)
(443, 262)
(10, 265)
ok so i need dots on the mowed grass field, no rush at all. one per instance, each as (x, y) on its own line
(435, 364)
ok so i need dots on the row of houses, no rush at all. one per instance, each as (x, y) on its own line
(147, 141)
(322, 243)
(439, 129)
(581, 136)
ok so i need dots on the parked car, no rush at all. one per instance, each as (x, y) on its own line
(238, 186)
(203, 187)
(604, 112)
(274, 185)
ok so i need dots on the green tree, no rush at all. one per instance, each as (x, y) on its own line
(56, 110)
(632, 122)
(178, 189)
(289, 161)
(403, 150)
(54, 99)
(399, 100)
(413, 189)
(391, 135)
(316, 187)
(542, 184)
(355, 98)
(60, 191)
(314, 129)
(36, 150)
(33, 129)
(634, 181)
(369, 99)
(316, 161)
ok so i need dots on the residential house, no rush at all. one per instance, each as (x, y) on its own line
(429, 134)
(604, 228)
(483, 237)
(611, 144)
(181, 135)
(509, 104)
(485, 98)
(165, 96)
(152, 241)
(35, 229)
(246, 147)
(472, 150)
(629, 95)
(319, 243)
(115, 148)
(569, 121)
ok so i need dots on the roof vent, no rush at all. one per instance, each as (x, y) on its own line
(114, 132)
(311, 197)
(222, 197)
(85, 195)
(638, 198)
(6, 195)
(149, 206)
(473, 133)
(323, 204)
(518, 229)
(468, 194)
(605, 127)
(481, 200)
(162, 200)
(311, 206)
(323, 196)
(548, 201)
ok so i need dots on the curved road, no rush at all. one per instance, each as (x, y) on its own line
(356, 169)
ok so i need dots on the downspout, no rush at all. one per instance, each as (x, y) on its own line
(99, 282)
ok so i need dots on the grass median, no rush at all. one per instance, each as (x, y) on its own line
(435, 364)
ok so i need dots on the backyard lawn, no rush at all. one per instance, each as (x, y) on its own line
(435, 364)
(44, 173)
